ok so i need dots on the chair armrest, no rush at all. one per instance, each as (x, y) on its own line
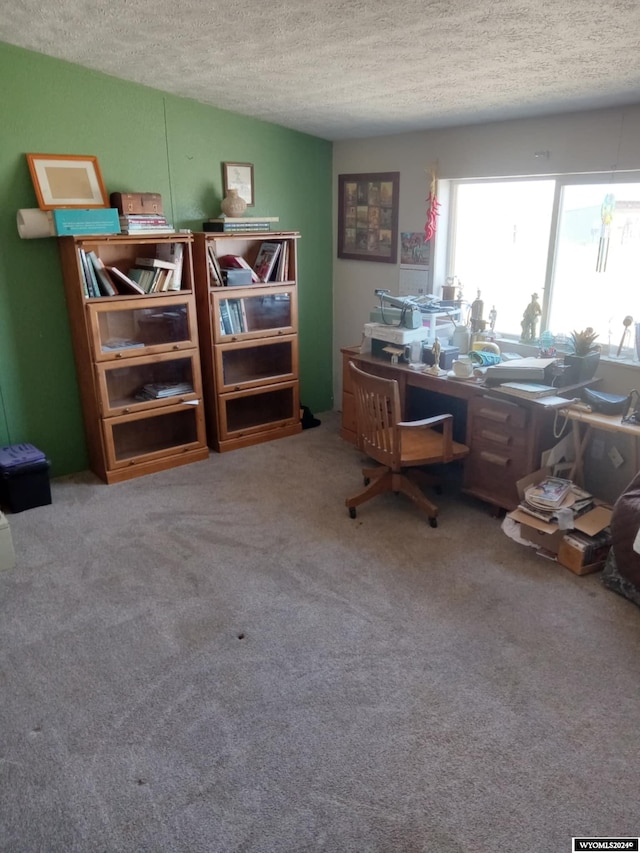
(447, 431)
(423, 422)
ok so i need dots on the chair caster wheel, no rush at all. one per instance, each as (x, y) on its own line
(433, 522)
(352, 512)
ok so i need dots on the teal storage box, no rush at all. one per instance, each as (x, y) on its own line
(99, 220)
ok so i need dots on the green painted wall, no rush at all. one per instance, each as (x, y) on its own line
(145, 141)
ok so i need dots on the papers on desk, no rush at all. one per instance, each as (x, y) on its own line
(519, 370)
(528, 390)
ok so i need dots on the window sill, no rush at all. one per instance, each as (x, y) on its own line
(514, 346)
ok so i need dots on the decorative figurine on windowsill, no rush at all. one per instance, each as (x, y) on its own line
(530, 319)
(435, 369)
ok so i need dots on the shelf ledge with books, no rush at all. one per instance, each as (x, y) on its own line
(143, 267)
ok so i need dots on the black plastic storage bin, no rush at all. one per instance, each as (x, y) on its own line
(24, 478)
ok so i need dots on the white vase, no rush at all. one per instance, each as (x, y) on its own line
(232, 205)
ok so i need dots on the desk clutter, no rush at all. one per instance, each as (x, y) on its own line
(562, 521)
(403, 321)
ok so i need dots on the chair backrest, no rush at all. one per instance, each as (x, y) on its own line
(378, 413)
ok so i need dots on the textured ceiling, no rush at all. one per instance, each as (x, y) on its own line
(352, 68)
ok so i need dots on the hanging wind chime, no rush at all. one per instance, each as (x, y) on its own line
(433, 206)
(606, 216)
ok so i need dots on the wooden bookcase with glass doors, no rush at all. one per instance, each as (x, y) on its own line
(249, 341)
(137, 358)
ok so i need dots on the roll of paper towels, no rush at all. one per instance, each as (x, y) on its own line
(33, 222)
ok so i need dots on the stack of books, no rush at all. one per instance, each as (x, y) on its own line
(144, 223)
(154, 275)
(519, 370)
(231, 224)
(158, 390)
(121, 343)
(528, 390)
(237, 262)
(549, 493)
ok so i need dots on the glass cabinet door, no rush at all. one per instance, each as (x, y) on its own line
(252, 411)
(131, 327)
(258, 362)
(133, 384)
(261, 311)
(145, 436)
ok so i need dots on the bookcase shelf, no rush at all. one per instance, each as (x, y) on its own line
(248, 342)
(137, 359)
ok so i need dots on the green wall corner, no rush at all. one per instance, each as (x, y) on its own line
(145, 141)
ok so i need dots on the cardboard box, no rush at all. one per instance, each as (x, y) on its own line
(541, 533)
(576, 561)
(587, 550)
(548, 535)
(548, 539)
(99, 220)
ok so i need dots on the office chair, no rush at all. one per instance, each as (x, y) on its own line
(400, 447)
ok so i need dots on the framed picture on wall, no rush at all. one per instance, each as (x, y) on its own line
(368, 216)
(67, 180)
(239, 176)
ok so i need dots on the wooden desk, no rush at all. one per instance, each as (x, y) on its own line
(505, 435)
(583, 423)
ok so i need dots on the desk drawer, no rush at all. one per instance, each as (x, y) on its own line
(492, 477)
(495, 413)
(498, 437)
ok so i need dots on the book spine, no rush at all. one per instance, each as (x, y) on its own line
(83, 273)
(87, 267)
(224, 316)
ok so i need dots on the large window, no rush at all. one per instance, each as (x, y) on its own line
(575, 242)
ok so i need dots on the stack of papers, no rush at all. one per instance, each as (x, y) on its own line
(519, 370)
(549, 494)
(543, 501)
(157, 390)
(531, 390)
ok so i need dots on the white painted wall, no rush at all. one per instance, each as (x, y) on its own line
(596, 141)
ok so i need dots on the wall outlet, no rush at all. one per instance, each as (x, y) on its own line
(615, 457)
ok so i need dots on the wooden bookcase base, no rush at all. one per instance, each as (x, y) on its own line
(138, 469)
(257, 438)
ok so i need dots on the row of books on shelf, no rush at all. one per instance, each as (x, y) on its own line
(271, 263)
(233, 317)
(149, 275)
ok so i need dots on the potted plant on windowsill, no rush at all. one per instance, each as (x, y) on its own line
(583, 356)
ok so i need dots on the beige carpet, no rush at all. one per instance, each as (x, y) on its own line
(217, 658)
